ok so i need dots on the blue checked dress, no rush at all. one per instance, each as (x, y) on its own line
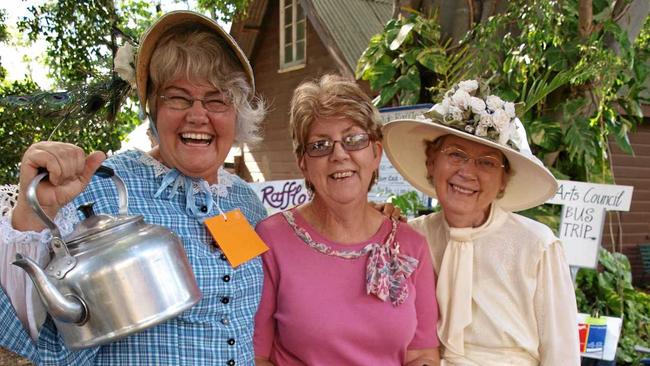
(216, 331)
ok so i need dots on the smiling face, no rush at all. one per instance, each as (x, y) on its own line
(341, 177)
(465, 192)
(193, 140)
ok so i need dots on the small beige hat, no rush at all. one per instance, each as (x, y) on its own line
(489, 121)
(152, 35)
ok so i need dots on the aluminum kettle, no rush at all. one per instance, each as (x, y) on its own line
(112, 276)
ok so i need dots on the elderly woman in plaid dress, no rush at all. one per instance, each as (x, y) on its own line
(198, 90)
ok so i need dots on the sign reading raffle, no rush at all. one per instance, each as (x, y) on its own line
(583, 217)
(279, 195)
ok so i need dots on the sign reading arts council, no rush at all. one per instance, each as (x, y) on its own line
(583, 216)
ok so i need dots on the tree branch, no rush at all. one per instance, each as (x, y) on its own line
(396, 8)
(470, 15)
(586, 18)
(620, 8)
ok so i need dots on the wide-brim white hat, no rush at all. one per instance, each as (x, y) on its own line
(530, 183)
(150, 39)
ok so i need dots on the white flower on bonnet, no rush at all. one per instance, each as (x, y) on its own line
(468, 107)
(468, 85)
(124, 63)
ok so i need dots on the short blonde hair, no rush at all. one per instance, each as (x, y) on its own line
(330, 96)
(199, 55)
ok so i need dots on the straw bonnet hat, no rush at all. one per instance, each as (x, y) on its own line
(489, 121)
(152, 35)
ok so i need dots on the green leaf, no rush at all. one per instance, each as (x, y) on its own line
(620, 131)
(541, 87)
(407, 97)
(546, 134)
(410, 56)
(401, 36)
(558, 174)
(433, 59)
(409, 203)
(380, 75)
(411, 81)
(581, 139)
(389, 36)
(386, 95)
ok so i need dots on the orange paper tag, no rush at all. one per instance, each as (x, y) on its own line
(236, 237)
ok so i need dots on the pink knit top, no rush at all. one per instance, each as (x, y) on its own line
(315, 309)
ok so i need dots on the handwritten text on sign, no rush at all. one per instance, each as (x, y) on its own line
(583, 217)
(280, 195)
(607, 196)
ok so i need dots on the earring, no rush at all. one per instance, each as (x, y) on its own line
(501, 193)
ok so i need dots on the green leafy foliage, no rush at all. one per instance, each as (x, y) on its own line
(409, 203)
(533, 53)
(4, 35)
(567, 79)
(580, 92)
(225, 10)
(610, 292)
(82, 38)
(81, 42)
(82, 122)
(409, 61)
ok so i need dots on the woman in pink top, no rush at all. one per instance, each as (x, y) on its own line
(343, 284)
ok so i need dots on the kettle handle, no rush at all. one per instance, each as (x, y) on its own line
(102, 171)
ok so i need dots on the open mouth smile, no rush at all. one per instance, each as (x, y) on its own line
(462, 190)
(202, 139)
(342, 175)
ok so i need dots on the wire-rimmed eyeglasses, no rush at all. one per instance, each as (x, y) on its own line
(211, 104)
(324, 147)
(458, 157)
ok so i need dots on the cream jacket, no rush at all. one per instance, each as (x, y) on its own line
(504, 291)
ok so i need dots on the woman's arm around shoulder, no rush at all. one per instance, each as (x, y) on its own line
(261, 361)
(423, 357)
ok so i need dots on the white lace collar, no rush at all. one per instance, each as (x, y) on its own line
(225, 180)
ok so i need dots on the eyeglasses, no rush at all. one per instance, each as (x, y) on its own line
(458, 157)
(358, 141)
(211, 104)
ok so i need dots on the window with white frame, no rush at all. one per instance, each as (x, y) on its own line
(292, 34)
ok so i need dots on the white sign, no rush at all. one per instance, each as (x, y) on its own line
(280, 195)
(581, 228)
(608, 196)
(405, 112)
(390, 182)
(584, 206)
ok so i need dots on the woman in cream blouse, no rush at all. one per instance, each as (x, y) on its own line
(504, 288)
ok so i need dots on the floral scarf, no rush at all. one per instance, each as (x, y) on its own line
(387, 270)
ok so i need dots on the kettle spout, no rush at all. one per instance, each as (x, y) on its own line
(65, 308)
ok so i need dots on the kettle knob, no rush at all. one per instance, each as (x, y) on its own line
(87, 209)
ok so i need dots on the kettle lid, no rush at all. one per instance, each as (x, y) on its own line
(94, 224)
